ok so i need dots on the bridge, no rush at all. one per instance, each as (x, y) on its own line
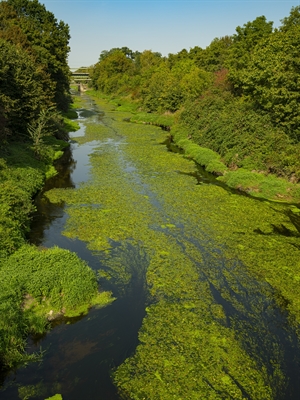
(81, 77)
(80, 74)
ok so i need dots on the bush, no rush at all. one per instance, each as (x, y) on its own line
(203, 156)
(56, 276)
(33, 283)
(242, 136)
(261, 185)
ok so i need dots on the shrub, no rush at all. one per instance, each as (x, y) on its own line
(32, 283)
(241, 135)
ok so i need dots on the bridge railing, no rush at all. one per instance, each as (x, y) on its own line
(80, 76)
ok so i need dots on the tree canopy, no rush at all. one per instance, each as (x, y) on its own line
(34, 73)
(254, 72)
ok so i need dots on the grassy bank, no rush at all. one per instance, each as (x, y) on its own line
(22, 175)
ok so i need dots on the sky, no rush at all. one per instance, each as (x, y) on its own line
(165, 26)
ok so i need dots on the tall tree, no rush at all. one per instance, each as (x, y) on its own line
(293, 20)
(215, 55)
(111, 71)
(21, 89)
(49, 43)
(272, 79)
(245, 40)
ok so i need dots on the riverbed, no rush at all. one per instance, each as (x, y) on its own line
(205, 279)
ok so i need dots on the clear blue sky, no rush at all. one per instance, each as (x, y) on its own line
(166, 26)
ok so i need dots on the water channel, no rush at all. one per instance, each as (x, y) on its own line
(80, 353)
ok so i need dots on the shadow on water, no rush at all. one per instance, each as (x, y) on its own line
(262, 328)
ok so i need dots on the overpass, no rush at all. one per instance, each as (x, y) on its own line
(81, 77)
(80, 74)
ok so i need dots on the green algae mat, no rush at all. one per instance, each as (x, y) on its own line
(221, 270)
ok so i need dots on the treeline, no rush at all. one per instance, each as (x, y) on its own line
(34, 74)
(239, 96)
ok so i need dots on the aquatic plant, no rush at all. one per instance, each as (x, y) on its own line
(209, 257)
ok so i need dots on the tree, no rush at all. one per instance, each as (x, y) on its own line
(10, 29)
(128, 53)
(46, 39)
(244, 42)
(110, 72)
(215, 55)
(271, 79)
(147, 61)
(247, 36)
(21, 88)
(159, 87)
(293, 20)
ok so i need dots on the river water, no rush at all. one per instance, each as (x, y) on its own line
(80, 353)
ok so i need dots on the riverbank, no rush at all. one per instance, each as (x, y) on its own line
(255, 183)
(37, 285)
(22, 175)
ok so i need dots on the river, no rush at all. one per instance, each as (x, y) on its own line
(192, 267)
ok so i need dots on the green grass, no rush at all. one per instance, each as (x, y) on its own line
(70, 114)
(205, 157)
(70, 126)
(125, 104)
(77, 102)
(166, 120)
(261, 185)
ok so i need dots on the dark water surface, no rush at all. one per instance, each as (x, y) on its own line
(81, 352)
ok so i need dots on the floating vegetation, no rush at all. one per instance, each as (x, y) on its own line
(221, 272)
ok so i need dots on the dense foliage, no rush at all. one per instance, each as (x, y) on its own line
(46, 281)
(22, 175)
(34, 74)
(238, 97)
(34, 282)
(18, 185)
